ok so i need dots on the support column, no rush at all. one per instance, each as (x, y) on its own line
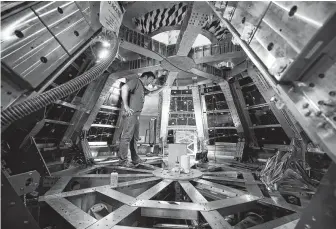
(243, 113)
(267, 92)
(204, 118)
(158, 125)
(234, 114)
(165, 113)
(198, 112)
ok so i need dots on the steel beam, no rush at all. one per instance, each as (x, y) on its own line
(225, 190)
(220, 57)
(169, 213)
(224, 85)
(215, 220)
(158, 204)
(189, 30)
(144, 51)
(278, 222)
(204, 74)
(137, 182)
(71, 213)
(113, 194)
(251, 185)
(59, 186)
(116, 216)
(129, 169)
(198, 112)
(244, 116)
(102, 97)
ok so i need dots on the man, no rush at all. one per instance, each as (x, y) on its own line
(133, 96)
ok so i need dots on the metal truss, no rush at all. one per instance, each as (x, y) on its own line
(137, 188)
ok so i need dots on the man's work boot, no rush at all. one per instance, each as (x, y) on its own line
(140, 161)
(126, 163)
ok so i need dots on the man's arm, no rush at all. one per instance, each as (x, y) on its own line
(156, 91)
(124, 95)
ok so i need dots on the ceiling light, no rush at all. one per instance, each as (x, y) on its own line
(106, 44)
(103, 54)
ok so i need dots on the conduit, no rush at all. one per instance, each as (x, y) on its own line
(36, 103)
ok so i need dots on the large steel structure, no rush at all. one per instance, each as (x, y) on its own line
(266, 82)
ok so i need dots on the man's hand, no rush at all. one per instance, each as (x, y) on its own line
(128, 111)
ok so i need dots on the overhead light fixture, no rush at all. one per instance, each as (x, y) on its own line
(106, 44)
(103, 54)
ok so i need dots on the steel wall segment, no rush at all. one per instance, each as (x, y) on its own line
(66, 22)
(28, 48)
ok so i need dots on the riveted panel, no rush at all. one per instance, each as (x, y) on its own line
(28, 48)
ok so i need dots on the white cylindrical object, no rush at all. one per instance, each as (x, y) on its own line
(114, 180)
(185, 163)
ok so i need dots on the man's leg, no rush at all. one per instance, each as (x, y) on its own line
(133, 144)
(126, 136)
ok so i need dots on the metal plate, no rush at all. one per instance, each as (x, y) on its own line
(166, 174)
(14, 214)
(25, 182)
(36, 43)
(294, 30)
(70, 27)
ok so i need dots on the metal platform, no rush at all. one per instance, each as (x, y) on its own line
(141, 193)
(168, 174)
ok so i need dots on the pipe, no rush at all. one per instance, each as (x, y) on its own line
(31, 105)
(247, 49)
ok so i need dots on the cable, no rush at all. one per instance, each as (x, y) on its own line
(33, 104)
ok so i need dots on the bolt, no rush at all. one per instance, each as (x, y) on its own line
(322, 125)
(332, 93)
(313, 218)
(292, 89)
(12, 203)
(305, 105)
(329, 113)
(307, 226)
(307, 114)
(25, 222)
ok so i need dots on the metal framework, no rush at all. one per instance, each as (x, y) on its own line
(137, 188)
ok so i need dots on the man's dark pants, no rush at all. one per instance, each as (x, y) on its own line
(129, 138)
